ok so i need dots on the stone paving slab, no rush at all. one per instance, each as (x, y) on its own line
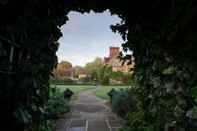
(60, 129)
(88, 108)
(78, 123)
(97, 126)
(88, 97)
(77, 129)
(115, 123)
(112, 117)
(76, 115)
(115, 129)
(62, 124)
(67, 115)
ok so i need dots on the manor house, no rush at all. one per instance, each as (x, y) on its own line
(116, 63)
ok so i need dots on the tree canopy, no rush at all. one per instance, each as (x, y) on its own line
(63, 69)
(94, 65)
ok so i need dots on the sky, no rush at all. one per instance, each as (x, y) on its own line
(87, 36)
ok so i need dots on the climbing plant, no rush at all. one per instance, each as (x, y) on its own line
(162, 34)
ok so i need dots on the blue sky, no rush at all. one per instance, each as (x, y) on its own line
(86, 36)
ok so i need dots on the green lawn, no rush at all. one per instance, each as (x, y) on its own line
(100, 92)
(75, 88)
(103, 90)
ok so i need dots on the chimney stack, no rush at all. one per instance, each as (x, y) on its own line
(113, 51)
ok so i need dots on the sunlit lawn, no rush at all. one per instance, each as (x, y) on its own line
(103, 90)
(75, 88)
(100, 92)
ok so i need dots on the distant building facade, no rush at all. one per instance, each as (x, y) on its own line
(118, 65)
(82, 74)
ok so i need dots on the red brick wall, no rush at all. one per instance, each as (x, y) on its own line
(113, 51)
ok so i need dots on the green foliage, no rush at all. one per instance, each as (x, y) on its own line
(48, 125)
(123, 101)
(53, 109)
(77, 70)
(94, 64)
(98, 71)
(162, 35)
(63, 69)
(101, 73)
(74, 88)
(125, 78)
(163, 60)
(117, 74)
(84, 81)
(135, 122)
(57, 104)
(60, 80)
(23, 115)
(103, 91)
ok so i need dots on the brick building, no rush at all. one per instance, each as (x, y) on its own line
(115, 62)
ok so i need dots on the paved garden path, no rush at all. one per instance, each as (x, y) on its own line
(89, 113)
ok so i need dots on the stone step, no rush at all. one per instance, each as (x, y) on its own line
(97, 126)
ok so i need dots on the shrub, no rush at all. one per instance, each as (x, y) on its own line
(48, 125)
(111, 93)
(134, 121)
(192, 118)
(68, 93)
(60, 80)
(123, 101)
(57, 104)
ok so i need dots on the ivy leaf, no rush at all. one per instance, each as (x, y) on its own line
(23, 115)
(194, 92)
(169, 87)
(192, 114)
(168, 71)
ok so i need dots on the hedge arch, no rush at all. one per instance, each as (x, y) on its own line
(162, 34)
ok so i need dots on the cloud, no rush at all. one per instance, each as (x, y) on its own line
(86, 36)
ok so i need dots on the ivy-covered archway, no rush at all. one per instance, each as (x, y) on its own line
(162, 35)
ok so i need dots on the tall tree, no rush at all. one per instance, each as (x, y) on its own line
(63, 68)
(77, 70)
(99, 71)
(93, 66)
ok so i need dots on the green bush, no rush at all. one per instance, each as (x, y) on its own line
(57, 104)
(60, 80)
(54, 108)
(123, 101)
(125, 78)
(134, 121)
(48, 125)
(84, 80)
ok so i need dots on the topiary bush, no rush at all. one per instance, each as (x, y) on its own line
(111, 93)
(68, 94)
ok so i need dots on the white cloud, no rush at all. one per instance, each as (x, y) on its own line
(87, 36)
